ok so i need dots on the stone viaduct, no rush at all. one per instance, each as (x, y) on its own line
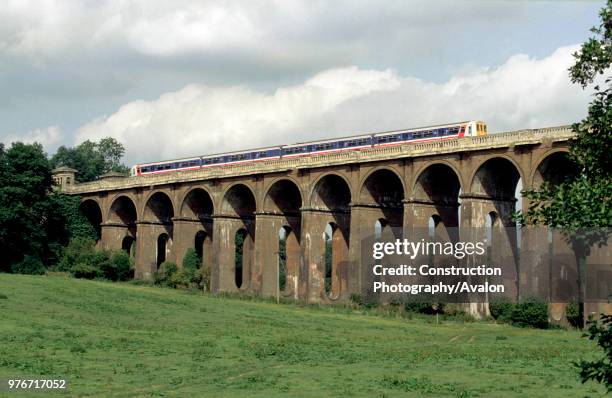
(455, 183)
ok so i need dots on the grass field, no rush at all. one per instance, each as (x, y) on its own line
(111, 339)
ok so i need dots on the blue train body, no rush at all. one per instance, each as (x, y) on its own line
(456, 130)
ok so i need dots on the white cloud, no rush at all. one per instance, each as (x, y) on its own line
(523, 92)
(50, 137)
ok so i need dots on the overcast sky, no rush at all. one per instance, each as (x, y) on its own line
(182, 78)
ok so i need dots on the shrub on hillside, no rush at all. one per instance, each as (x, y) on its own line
(78, 251)
(500, 308)
(119, 268)
(421, 305)
(531, 312)
(164, 274)
(83, 260)
(124, 265)
(85, 271)
(96, 264)
(29, 265)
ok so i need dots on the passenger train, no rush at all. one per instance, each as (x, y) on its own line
(398, 137)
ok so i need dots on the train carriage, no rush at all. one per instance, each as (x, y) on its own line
(311, 148)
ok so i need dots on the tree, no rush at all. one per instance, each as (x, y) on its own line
(25, 183)
(35, 222)
(91, 159)
(599, 370)
(580, 206)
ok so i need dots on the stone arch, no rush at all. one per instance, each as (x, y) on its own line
(378, 169)
(383, 193)
(238, 200)
(197, 204)
(283, 197)
(330, 203)
(438, 186)
(238, 210)
(496, 178)
(122, 211)
(382, 186)
(552, 167)
(158, 208)
(92, 211)
(331, 192)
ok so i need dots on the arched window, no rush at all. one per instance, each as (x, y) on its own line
(162, 243)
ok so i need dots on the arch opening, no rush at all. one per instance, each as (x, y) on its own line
(439, 186)
(554, 169)
(336, 251)
(496, 179)
(331, 198)
(159, 209)
(384, 190)
(331, 194)
(162, 246)
(199, 240)
(283, 197)
(127, 245)
(239, 201)
(92, 212)
(288, 261)
(239, 253)
(197, 205)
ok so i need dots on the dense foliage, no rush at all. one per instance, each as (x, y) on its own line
(192, 274)
(36, 222)
(599, 370)
(91, 159)
(529, 312)
(83, 260)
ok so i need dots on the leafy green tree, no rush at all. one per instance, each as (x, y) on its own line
(91, 159)
(580, 205)
(25, 183)
(599, 370)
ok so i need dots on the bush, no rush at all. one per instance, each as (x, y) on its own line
(78, 251)
(163, 276)
(204, 275)
(531, 312)
(83, 260)
(191, 260)
(183, 278)
(85, 271)
(29, 265)
(572, 313)
(500, 308)
(122, 266)
(421, 306)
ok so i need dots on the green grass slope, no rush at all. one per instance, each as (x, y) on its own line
(124, 340)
